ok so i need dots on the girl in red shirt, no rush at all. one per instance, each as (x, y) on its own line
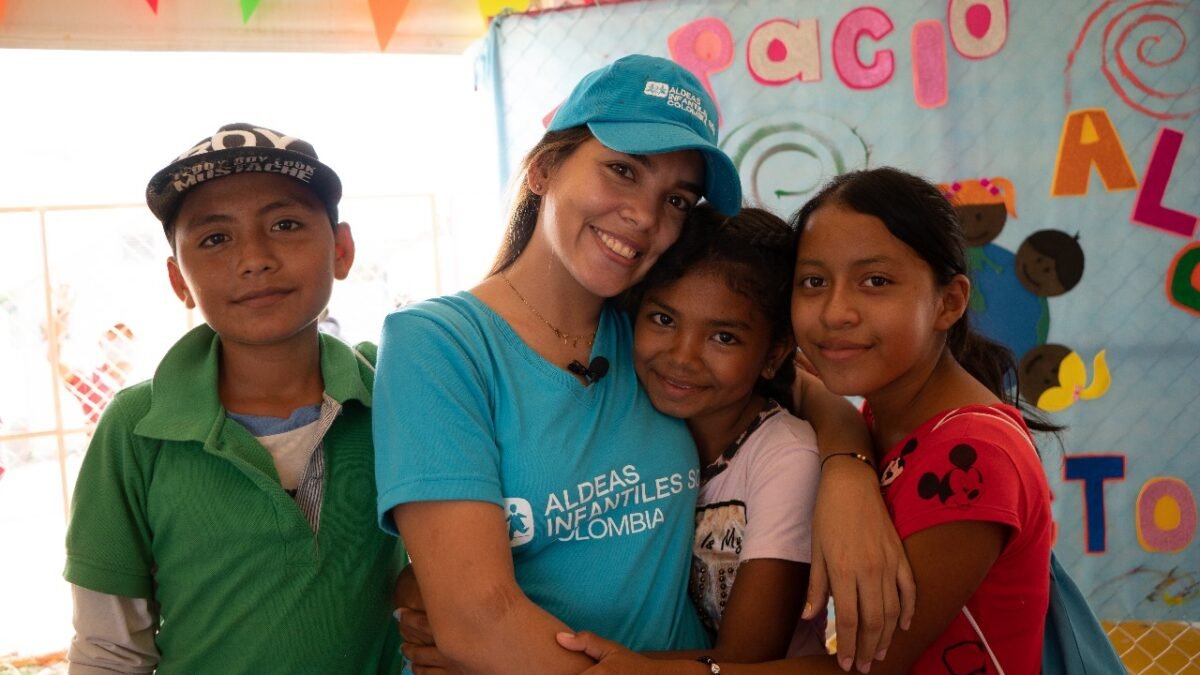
(879, 308)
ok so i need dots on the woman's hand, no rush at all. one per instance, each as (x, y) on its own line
(611, 657)
(864, 565)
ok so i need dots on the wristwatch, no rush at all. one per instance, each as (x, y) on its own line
(712, 665)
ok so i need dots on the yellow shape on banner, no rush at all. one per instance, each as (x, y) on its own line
(490, 8)
(1088, 135)
(1071, 378)
(386, 14)
(1167, 515)
(248, 7)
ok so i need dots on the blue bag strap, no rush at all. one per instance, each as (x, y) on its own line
(1074, 642)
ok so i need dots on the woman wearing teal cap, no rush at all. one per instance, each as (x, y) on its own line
(534, 484)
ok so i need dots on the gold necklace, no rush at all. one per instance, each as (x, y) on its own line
(566, 338)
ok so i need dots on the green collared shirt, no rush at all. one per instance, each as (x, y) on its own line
(179, 504)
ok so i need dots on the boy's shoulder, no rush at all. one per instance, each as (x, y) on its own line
(132, 402)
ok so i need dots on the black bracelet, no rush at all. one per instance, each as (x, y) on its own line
(856, 455)
(712, 665)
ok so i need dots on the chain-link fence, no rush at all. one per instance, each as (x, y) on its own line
(1003, 116)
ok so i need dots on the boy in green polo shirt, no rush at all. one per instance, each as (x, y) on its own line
(224, 516)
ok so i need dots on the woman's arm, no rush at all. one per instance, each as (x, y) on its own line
(483, 621)
(864, 565)
(949, 561)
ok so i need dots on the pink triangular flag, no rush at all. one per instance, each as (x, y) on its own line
(248, 7)
(387, 14)
(153, 5)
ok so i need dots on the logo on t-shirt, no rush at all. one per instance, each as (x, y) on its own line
(520, 521)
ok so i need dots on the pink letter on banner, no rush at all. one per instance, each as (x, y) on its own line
(978, 28)
(703, 46)
(779, 51)
(930, 86)
(1166, 515)
(1148, 208)
(852, 71)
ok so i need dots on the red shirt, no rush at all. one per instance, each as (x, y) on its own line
(977, 463)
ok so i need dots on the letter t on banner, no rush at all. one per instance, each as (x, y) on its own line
(1094, 471)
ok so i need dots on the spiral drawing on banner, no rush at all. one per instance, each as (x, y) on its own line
(1144, 54)
(783, 159)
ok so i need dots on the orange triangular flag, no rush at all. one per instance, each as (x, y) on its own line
(387, 14)
(153, 5)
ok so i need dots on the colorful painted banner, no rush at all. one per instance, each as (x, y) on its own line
(1068, 132)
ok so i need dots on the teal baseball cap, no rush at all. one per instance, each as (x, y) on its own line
(646, 105)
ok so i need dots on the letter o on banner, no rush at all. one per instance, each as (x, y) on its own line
(1166, 515)
(1183, 279)
(978, 28)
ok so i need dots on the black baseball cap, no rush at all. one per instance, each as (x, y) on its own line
(238, 149)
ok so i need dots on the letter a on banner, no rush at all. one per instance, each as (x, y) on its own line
(1088, 140)
(779, 51)
(386, 14)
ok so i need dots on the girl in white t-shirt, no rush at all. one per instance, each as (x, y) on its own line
(712, 341)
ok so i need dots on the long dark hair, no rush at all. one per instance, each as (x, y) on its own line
(754, 252)
(547, 155)
(917, 213)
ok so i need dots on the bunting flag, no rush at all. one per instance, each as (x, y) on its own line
(490, 8)
(387, 14)
(248, 7)
(153, 5)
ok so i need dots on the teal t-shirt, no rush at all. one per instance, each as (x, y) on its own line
(598, 487)
(177, 503)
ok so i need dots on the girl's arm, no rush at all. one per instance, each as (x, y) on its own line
(949, 562)
(760, 617)
(856, 552)
(483, 621)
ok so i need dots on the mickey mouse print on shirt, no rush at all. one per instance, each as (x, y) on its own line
(941, 468)
(960, 485)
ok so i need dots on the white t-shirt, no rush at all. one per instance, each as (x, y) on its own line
(759, 505)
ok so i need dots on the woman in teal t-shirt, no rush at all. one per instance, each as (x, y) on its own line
(532, 481)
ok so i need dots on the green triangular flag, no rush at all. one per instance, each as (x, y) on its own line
(248, 7)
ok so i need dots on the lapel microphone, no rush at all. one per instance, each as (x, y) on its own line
(593, 371)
